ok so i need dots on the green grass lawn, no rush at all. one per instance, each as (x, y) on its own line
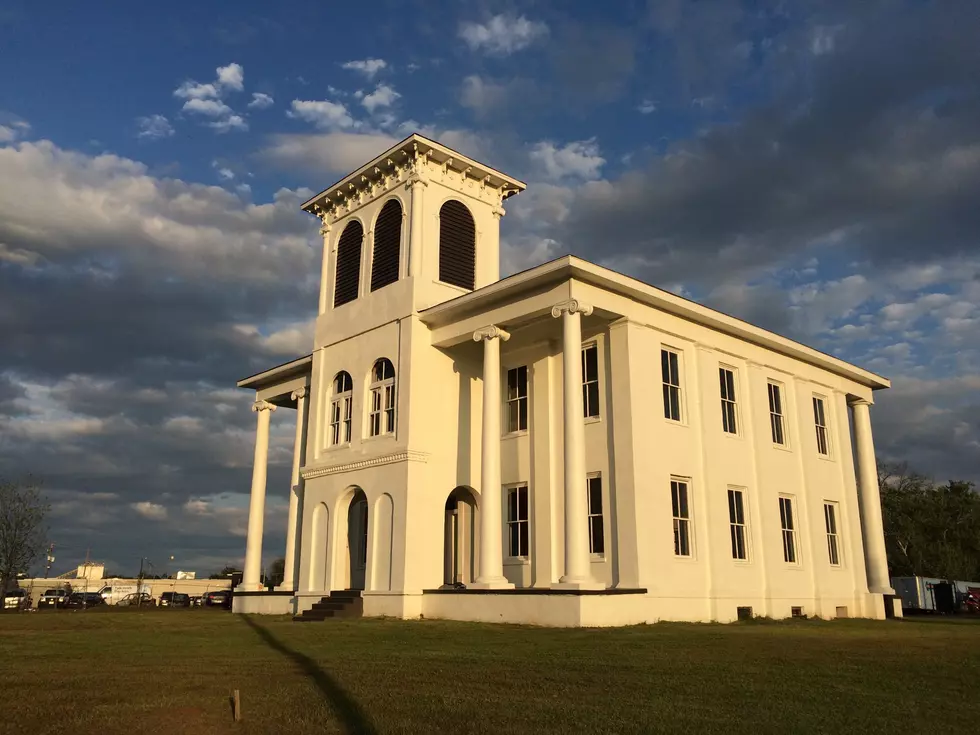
(173, 672)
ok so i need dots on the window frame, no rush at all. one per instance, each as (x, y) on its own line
(586, 383)
(682, 521)
(729, 401)
(672, 389)
(341, 411)
(594, 515)
(832, 527)
(738, 527)
(822, 430)
(789, 534)
(777, 417)
(518, 522)
(518, 401)
(382, 403)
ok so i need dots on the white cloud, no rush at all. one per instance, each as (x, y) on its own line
(367, 67)
(207, 99)
(579, 159)
(322, 113)
(231, 76)
(151, 511)
(502, 34)
(14, 131)
(191, 90)
(154, 127)
(227, 124)
(211, 108)
(482, 96)
(330, 152)
(823, 39)
(260, 101)
(647, 106)
(383, 96)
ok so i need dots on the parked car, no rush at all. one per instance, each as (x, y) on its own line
(218, 598)
(137, 599)
(17, 599)
(84, 600)
(197, 600)
(53, 598)
(175, 599)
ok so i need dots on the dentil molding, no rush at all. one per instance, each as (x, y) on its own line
(409, 455)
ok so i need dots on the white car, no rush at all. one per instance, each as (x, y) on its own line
(17, 599)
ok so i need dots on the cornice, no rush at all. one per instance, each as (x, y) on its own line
(408, 455)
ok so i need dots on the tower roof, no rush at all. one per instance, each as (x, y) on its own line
(404, 152)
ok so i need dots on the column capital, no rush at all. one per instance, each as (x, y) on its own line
(859, 402)
(572, 306)
(415, 181)
(490, 332)
(499, 212)
(298, 393)
(263, 406)
(325, 229)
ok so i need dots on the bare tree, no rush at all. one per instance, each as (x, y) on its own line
(22, 512)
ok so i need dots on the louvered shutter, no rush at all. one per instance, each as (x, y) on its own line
(387, 238)
(348, 264)
(457, 245)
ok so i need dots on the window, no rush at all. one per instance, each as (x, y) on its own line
(833, 543)
(590, 380)
(820, 420)
(341, 408)
(457, 245)
(776, 414)
(670, 370)
(348, 264)
(682, 517)
(736, 519)
(789, 529)
(597, 542)
(387, 242)
(517, 523)
(728, 407)
(382, 418)
(517, 399)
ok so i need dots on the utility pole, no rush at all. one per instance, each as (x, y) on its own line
(47, 569)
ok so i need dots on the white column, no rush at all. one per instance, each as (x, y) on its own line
(872, 530)
(292, 522)
(415, 241)
(491, 530)
(256, 507)
(324, 268)
(578, 566)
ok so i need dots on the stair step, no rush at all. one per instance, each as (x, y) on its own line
(339, 604)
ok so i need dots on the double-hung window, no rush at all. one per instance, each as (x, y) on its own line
(681, 512)
(833, 540)
(382, 417)
(820, 422)
(670, 370)
(729, 412)
(597, 542)
(590, 380)
(517, 521)
(517, 399)
(736, 521)
(788, 525)
(776, 414)
(341, 409)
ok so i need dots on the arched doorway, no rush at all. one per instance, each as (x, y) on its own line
(357, 546)
(460, 526)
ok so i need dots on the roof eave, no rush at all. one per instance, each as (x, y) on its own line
(280, 372)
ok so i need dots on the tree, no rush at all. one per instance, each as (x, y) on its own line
(226, 571)
(276, 573)
(22, 512)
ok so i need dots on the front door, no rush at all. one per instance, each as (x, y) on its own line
(357, 531)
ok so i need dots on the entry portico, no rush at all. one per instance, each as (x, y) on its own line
(552, 447)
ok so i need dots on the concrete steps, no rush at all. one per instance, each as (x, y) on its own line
(340, 604)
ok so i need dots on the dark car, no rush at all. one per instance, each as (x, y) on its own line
(54, 598)
(80, 600)
(218, 598)
(175, 599)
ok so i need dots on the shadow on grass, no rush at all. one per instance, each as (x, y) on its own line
(351, 715)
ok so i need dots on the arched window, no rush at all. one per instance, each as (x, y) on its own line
(457, 245)
(382, 418)
(348, 264)
(341, 409)
(387, 239)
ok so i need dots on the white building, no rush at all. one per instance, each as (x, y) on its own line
(451, 463)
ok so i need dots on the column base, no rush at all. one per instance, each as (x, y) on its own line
(284, 588)
(251, 587)
(578, 584)
(876, 590)
(494, 583)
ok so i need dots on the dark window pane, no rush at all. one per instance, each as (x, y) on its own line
(682, 497)
(598, 541)
(665, 366)
(515, 549)
(595, 497)
(674, 501)
(592, 363)
(522, 418)
(522, 503)
(524, 538)
(593, 400)
(512, 505)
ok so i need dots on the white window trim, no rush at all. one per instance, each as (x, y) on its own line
(746, 532)
(797, 550)
(510, 560)
(598, 379)
(829, 454)
(737, 434)
(783, 393)
(596, 555)
(508, 432)
(338, 403)
(681, 393)
(691, 538)
(379, 388)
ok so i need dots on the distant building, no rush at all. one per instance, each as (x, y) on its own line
(565, 446)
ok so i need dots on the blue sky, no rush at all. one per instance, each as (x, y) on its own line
(813, 167)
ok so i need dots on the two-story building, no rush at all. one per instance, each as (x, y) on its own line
(564, 446)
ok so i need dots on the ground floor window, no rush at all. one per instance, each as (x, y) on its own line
(681, 511)
(833, 542)
(597, 542)
(788, 524)
(736, 519)
(517, 521)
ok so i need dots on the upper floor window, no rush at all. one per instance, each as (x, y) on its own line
(597, 542)
(341, 409)
(681, 512)
(670, 370)
(457, 245)
(382, 417)
(776, 414)
(387, 244)
(729, 412)
(820, 421)
(348, 269)
(518, 536)
(590, 380)
(517, 399)
(788, 526)
(833, 540)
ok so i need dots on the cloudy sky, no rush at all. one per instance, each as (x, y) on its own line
(813, 167)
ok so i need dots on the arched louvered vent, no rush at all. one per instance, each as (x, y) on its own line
(457, 245)
(387, 238)
(348, 263)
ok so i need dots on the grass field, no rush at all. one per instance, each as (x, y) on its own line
(173, 672)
